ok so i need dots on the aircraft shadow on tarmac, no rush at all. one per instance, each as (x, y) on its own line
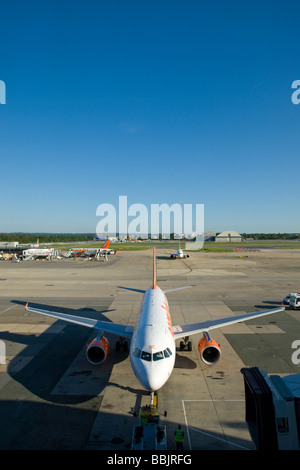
(41, 426)
(59, 357)
(52, 356)
(184, 362)
(267, 304)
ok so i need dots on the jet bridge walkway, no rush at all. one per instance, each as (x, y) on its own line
(272, 409)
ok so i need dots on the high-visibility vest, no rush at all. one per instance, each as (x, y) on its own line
(179, 436)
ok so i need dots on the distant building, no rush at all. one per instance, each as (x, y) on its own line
(209, 236)
(229, 236)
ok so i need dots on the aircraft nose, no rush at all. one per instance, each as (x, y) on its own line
(152, 382)
(150, 377)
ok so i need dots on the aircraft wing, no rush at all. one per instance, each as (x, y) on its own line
(177, 288)
(115, 328)
(194, 328)
(143, 291)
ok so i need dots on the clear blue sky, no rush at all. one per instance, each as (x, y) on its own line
(162, 101)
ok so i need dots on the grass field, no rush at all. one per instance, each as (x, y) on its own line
(208, 246)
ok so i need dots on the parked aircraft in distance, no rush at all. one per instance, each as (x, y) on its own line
(35, 245)
(104, 250)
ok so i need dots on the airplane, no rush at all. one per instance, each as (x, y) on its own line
(153, 337)
(179, 253)
(35, 245)
(103, 250)
(112, 239)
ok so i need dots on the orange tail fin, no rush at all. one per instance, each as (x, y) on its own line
(106, 244)
(154, 269)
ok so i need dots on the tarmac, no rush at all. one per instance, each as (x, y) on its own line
(52, 398)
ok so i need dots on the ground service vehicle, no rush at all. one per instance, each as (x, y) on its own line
(295, 301)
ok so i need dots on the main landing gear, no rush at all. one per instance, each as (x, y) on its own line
(121, 344)
(186, 344)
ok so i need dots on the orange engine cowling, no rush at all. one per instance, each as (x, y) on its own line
(209, 350)
(97, 350)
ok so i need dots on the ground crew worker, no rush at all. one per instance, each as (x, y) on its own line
(179, 435)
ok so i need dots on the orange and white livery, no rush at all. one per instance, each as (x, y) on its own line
(153, 337)
(103, 250)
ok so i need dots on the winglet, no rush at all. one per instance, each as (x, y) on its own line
(154, 269)
(26, 305)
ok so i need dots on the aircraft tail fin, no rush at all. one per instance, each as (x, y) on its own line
(154, 269)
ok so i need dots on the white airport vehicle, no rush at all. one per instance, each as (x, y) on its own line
(179, 254)
(295, 301)
(286, 300)
(152, 346)
(92, 252)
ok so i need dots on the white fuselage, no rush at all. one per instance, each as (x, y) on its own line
(152, 348)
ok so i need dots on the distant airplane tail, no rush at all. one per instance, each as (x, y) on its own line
(106, 244)
(154, 269)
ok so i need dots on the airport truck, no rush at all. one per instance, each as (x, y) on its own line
(38, 253)
(295, 301)
(149, 434)
(292, 297)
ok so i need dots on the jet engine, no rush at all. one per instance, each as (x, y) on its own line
(209, 350)
(97, 350)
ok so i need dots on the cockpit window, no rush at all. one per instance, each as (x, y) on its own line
(157, 356)
(146, 356)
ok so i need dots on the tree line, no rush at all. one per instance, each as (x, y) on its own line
(25, 238)
(271, 236)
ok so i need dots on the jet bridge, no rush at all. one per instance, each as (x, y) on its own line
(272, 409)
